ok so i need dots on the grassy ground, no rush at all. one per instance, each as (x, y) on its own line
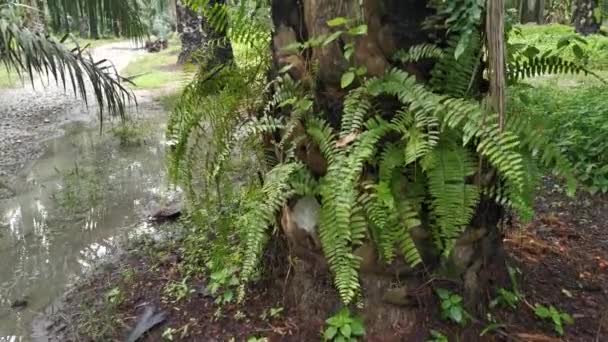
(546, 37)
(573, 108)
(158, 70)
(8, 79)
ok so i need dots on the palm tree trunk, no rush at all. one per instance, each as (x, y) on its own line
(392, 24)
(587, 16)
(189, 26)
(196, 32)
(532, 11)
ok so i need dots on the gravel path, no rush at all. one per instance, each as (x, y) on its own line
(30, 115)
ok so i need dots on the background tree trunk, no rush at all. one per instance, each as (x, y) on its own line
(189, 26)
(532, 11)
(196, 32)
(586, 16)
(392, 24)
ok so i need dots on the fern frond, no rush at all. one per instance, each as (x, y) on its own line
(523, 68)
(357, 107)
(454, 77)
(454, 201)
(391, 223)
(261, 215)
(418, 53)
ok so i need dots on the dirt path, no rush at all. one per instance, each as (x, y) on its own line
(30, 115)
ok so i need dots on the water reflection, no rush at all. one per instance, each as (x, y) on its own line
(73, 206)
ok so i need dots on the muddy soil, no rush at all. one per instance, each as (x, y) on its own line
(561, 259)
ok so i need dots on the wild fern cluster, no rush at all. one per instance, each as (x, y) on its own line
(424, 165)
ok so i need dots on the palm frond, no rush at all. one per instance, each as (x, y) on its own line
(31, 53)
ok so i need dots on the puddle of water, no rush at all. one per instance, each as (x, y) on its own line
(72, 207)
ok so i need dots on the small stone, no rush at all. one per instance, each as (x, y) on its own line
(19, 304)
(47, 121)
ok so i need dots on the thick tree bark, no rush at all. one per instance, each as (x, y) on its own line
(586, 16)
(477, 260)
(195, 32)
(189, 26)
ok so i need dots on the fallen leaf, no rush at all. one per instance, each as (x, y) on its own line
(347, 139)
(537, 338)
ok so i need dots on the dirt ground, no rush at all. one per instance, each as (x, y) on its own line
(562, 259)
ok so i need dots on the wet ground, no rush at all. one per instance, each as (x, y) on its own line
(69, 195)
(561, 260)
(31, 114)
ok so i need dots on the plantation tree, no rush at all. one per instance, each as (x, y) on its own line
(532, 11)
(387, 149)
(391, 26)
(197, 34)
(586, 16)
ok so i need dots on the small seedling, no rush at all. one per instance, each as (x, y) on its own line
(168, 334)
(178, 290)
(343, 327)
(437, 336)
(558, 318)
(505, 299)
(257, 339)
(226, 280)
(115, 296)
(271, 313)
(239, 315)
(451, 307)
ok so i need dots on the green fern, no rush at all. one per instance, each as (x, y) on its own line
(525, 67)
(454, 201)
(261, 215)
(454, 76)
(419, 53)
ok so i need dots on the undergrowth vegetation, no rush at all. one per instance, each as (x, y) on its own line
(574, 111)
(424, 165)
(545, 37)
(413, 169)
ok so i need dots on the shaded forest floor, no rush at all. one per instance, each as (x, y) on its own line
(561, 258)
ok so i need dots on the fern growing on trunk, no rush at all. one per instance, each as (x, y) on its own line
(425, 163)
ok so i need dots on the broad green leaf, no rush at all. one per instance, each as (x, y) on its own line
(330, 333)
(578, 51)
(357, 327)
(332, 37)
(456, 314)
(358, 30)
(542, 311)
(346, 330)
(347, 79)
(339, 21)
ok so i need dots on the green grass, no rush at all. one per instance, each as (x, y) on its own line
(546, 37)
(573, 109)
(8, 79)
(158, 70)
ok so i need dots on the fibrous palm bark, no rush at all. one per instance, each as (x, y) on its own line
(586, 16)
(391, 25)
(196, 33)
